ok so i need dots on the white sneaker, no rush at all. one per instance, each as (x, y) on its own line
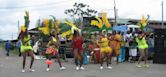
(63, 68)
(139, 66)
(101, 67)
(77, 68)
(82, 68)
(47, 69)
(109, 67)
(146, 65)
(32, 70)
(23, 71)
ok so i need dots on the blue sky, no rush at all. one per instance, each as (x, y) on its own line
(12, 11)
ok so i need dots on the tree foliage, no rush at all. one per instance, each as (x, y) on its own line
(80, 10)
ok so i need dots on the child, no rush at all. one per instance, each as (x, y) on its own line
(52, 51)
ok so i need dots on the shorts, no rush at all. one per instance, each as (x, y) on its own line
(105, 49)
(133, 52)
(26, 48)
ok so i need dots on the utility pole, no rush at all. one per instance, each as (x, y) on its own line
(162, 4)
(115, 12)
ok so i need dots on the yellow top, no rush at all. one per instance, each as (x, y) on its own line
(51, 43)
(26, 41)
(54, 39)
(142, 44)
(104, 42)
(117, 41)
(118, 37)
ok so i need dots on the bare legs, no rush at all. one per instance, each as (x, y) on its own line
(58, 60)
(32, 58)
(24, 54)
(24, 59)
(49, 57)
(108, 57)
(143, 55)
(78, 56)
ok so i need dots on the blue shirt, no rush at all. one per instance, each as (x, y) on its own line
(8, 45)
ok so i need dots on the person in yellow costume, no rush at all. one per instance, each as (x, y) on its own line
(117, 43)
(111, 43)
(26, 47)
(52, 51)
(105, 50)
(143, 49)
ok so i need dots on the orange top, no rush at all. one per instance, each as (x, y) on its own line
(117, 41)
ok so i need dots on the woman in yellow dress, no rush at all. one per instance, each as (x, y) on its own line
(26, 48)
(105, 50)
(143, 49)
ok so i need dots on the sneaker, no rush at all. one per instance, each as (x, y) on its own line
(146, 65)
(37, 57)
(63, 68)
(101, 67)
(23, 71)
(32, 70)
(109, 67)
(48, 69)
(77, 68)
(82, 68)
(139, 66)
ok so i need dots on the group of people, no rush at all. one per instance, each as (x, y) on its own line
(102, 48)
(125, 47)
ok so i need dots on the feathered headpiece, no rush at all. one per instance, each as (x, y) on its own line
(101, 23)
(26, 22)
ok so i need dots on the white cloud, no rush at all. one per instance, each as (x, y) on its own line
(13, 10)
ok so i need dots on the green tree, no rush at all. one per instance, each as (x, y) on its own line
(80, 10)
